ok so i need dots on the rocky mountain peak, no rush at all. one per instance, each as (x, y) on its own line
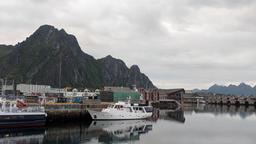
(109, 57)
(44, 32)
(46, 28)
(244, 85)
(135, 68)
(109, 60)
(116, 73)
(49, 38)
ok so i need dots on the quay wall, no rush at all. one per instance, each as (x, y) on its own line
(71, 112)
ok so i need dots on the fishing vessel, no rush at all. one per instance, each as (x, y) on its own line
(122, 111)
(19, 114)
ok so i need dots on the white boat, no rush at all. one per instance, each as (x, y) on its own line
(122, 111)
(19, 114)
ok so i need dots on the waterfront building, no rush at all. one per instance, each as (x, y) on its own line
(150, 95)
(156, 95)
(31, 89)
(77, 96)
(193, 98)
(171, 94)
(115, 94)
(37, 93)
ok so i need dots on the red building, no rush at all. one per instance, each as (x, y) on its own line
(156, 95)
(151, 95)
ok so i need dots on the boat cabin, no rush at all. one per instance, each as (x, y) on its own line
(131, 107)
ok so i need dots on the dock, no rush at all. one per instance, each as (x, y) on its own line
(71, 111)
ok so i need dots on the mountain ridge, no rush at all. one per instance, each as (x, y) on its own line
(242, 89)
(49, 54)
(5, 49)
(116, 73)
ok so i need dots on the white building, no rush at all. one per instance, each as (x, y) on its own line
(45, 90)
(86, 93)
(28, 89)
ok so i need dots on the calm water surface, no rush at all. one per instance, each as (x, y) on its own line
(194, 125)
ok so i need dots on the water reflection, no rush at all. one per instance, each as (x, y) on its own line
(90, 132)
(120, 131)
(22, 135)
(242, 111)
(165, 125)
(73, 133)
(176, 115)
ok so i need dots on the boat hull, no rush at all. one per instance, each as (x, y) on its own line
(96, 115)
(22, 120)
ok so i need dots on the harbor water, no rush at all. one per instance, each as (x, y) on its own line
(208, 124)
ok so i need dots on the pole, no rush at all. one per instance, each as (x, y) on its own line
(5, 86)
(2, 80)
(13, 86)
(60, 74)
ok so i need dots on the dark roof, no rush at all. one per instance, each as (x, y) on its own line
(118, 89)
(170, 91)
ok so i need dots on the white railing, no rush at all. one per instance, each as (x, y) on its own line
(7, 106)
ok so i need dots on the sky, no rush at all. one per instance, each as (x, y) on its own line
(176, 43)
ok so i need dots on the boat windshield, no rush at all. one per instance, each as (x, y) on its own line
(148, 109)
(138, 109)
(111, 106)
(118, 106)
(128, 109)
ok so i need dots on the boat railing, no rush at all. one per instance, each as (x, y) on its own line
(64, 107)
(8, 106)
(22, 110)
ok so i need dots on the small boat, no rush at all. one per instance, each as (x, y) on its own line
(122, 111)
(19, 114)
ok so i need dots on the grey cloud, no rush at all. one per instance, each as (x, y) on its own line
(221, 3)
(179, 43)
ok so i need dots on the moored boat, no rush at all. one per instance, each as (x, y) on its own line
(122, 111)
(19, 114)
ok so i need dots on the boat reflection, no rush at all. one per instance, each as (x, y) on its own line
(120, 131)
(22, 135)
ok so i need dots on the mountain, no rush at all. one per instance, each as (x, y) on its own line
(5, 49)
(38, 60)
(241, 90)
(116, 73)
(49, 54)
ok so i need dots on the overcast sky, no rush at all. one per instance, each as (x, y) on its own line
(177, 43)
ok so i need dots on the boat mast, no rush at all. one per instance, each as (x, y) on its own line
(2, 87)
(5, 83)
(60, 64)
